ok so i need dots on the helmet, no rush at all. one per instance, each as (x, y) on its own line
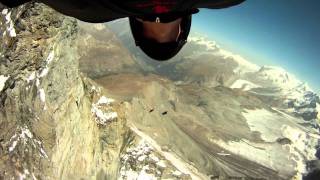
(154, 49)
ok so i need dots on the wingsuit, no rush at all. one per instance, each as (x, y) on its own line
(99, 11)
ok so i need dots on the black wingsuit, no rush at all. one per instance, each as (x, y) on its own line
(98, 11)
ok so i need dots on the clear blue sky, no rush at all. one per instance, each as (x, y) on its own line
(285, 33)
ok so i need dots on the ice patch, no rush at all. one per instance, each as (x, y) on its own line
(265, 122)
(25, 132)
(8, 17)
(10, 29)
(35, 75)
(95, 89)
(99, 26)
(301, 140)
(177, 173)
(44, 72)
(31, 77)
(105, 101)
(154, 158)
(3, 80)
(43, 153)
(145, 176)
(24, 175)
(4, 11)
(142, 158)
(101, 117)
(13, 146)
(161, 164)
(244, 85)
(128, 175)
(223, 154)
(50, 57)
(37, 82)
(34, 177)
(102, 113)
(139, 157)
(301, 150)
(24, 135)
(42, 95)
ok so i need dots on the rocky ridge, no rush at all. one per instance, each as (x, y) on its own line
(53, 120)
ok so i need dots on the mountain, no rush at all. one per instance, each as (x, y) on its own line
(284, 111)
(80, 101)
(52, 118)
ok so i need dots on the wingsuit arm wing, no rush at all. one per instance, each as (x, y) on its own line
(11, 3)
(218, 4)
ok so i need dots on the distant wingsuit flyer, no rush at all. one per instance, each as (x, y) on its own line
(160, 28)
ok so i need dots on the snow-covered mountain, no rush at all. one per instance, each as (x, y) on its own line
(300, 99)
(275, 81)
(266, 80)
(213, 47)
(297, 98)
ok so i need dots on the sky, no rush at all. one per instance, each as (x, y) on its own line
(283, 33)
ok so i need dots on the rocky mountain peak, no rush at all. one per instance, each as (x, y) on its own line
(52, 120)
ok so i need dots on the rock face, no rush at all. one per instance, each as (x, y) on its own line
(54, 124)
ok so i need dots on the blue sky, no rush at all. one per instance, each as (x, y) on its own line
(284, 33)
